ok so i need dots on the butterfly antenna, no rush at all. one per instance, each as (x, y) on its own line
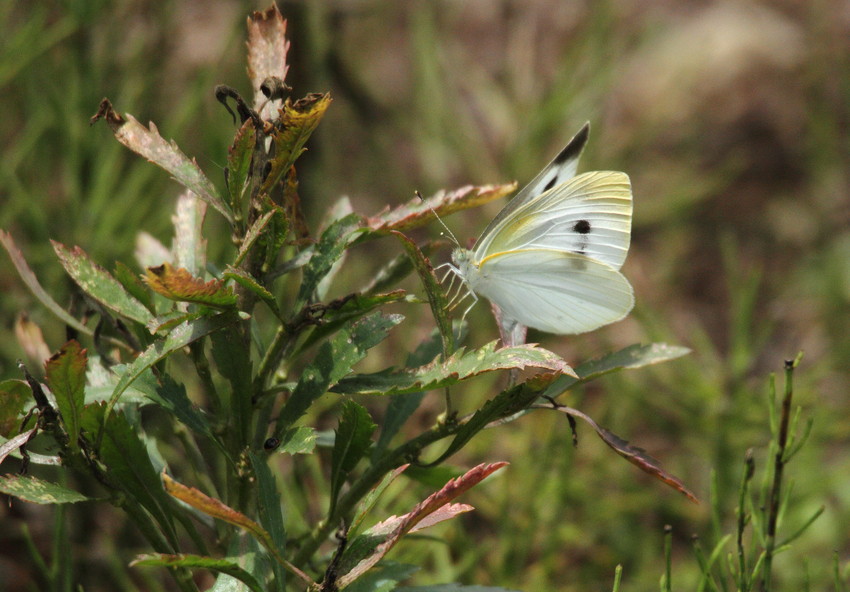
(440, 220)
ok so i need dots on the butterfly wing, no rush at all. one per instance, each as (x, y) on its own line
(562, 167)
(554, 291)
(590, 215)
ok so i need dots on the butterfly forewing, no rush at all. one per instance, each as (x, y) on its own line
(588, 215)
(562, 167)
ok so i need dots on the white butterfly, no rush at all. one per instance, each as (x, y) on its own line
(550, 260)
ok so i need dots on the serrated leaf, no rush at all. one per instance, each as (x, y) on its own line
(460, 366)
(149, 144)
(99, 284)
(32, 489)
(172, 396)
(634, 356)
(14, 394)
(66, 377)
(418, 212)
(296, 124)
(233, 359)
(368, 501)
(267, 47)
(433, 290)
(333, 361)
(225, 566)
(353, 438)
(239, 157)
(32, 283)
(189, 246)
(330, 247)
(180, 285)
(383, 578)
(254, 232)
(435, 508)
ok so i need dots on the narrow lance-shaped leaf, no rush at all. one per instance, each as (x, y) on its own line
(14, 394)
(271, 516)
(634, 356)
(66, 377)
(225, 566)
(215, 508)
(37, 491)
(435, 508)
(149, 144)
(460, 366)
(353, 438)
(239, 163)
(99, 284)
(334, 360)
(433, 290)
(180, 285)
(35, 287)
(333, 242)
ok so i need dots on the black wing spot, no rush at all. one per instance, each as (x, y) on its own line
(550, 184)
(582, 227)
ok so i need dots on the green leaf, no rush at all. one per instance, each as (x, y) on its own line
(177, 339)
(99, 284)
(225, 566)
(353, 438)
(32, 489)
(172, 396)
(298, 440)
(233, 359)
(460, 366)
(66, 377)
(149, 144)
(14, 394)
(330, 247)
(256, 230)
(128, 465)
(505, 404)
(239, 163)
(634, 356)
(247, 281)
(452, 588)
(339, 312)
(433, 290)
(333, 361)
(383, 578)
(271, 517)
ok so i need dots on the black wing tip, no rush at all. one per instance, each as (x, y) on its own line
(574, 147)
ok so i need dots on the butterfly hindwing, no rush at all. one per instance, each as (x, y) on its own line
(554, 291)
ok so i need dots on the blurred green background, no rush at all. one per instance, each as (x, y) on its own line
(731, 119)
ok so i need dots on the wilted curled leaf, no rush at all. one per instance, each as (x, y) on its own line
(267, 48)
(180, 285)
(634, 454)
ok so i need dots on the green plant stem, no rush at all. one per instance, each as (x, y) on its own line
(282, 339)
(778, 468)
(350, 499)
(743, 519)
